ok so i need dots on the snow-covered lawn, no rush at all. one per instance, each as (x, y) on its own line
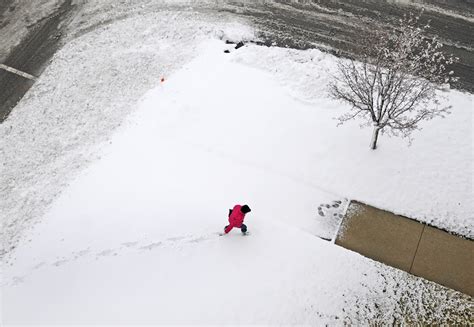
(134, 237)
(431, 180)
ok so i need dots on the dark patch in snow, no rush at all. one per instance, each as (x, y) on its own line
(239, 45)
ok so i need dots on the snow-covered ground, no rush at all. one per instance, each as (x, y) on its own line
(431, 180)
(93, 83)
(132, 238)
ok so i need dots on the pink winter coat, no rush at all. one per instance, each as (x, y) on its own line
(237, 217)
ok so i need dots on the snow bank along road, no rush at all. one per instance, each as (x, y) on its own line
(126, 222)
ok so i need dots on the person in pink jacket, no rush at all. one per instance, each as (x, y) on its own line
(236, 218)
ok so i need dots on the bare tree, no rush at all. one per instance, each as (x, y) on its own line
(393, 84)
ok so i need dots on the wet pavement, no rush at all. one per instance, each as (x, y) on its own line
(333, 25)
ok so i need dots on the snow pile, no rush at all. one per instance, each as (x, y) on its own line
(103, 12)
(81, 98)
(134, 238)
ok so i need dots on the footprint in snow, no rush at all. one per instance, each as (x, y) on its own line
(177, 238)
(197, 239)
(106, 253)
(39, 265)
(151, 246)
(17, 280)
(333, 209)
(129, 244)
(329, 217)
(79, 254)
(60, 262)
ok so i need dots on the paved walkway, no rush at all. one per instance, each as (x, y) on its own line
(406, 244)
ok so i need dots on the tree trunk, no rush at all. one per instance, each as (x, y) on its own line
(375, 137)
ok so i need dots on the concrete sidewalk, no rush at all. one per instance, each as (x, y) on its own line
(406, 244)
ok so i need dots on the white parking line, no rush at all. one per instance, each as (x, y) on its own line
(18, 72)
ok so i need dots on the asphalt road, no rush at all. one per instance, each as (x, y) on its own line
(336, 25)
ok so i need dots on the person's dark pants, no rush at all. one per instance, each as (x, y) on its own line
(228, 228)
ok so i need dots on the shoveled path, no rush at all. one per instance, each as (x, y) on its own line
(407, 244)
